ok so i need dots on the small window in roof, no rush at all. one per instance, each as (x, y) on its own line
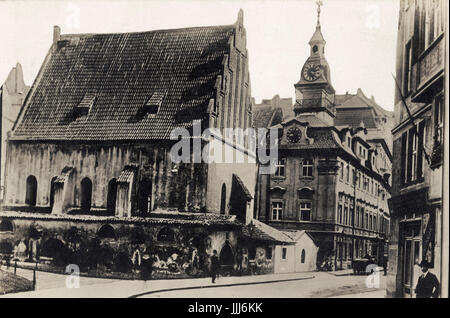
(154, 102)
(86, 103)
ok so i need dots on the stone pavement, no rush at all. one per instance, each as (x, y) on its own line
(129, 288)
(380, 293)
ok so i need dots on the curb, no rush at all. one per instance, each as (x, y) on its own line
(216, 286)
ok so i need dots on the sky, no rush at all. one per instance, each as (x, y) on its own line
(360, 34)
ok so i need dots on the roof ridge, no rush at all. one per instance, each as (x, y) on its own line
(231, 26)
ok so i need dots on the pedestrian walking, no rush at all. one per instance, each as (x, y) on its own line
(428, 284)
(215, 265)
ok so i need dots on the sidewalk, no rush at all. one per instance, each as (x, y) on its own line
(135, 288)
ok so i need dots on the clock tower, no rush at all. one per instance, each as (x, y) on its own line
(314, 92)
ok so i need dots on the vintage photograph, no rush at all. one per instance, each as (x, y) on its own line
(224, 149)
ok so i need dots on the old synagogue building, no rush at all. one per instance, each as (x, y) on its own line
(89, 176)
(334, 164)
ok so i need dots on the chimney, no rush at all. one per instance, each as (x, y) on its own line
(56, 33)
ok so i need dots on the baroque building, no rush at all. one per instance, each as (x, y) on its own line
(419, 227)
(89, 163)
(332, 175)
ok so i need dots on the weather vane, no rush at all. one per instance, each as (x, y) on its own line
(319, 4)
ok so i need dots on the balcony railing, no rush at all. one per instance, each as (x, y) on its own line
(313, 102)
(430, 63)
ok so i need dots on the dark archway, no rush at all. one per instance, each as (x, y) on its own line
(6, 247)
(31, 191)
(223, 199)
(56, 250)
(145, 196)
(112, 195)
(106, 231)
(86, 194)
(52, 192)
(166, 235)
(6, 226)
(226, 255)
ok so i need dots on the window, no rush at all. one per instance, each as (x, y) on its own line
(348, 172)
(284, 253)
(349, 141)
(268, 252)
(223, 199)
(353, 177)
(412, 153)
(112, 195)
(86, 194)
(303, 257)
(407, 69)
(367, 221)
(362, 225)
(340, 213)
(31, 191)
(357, 217)
(277, 210)
(342, 171)
(307, 168)
(281, 166)
(438, 117)
(346, 215)
(305, 211)
(154, 102)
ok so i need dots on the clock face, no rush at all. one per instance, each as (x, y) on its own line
(293, 135)
(311, 72)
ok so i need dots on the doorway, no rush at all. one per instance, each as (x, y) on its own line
(412, 255)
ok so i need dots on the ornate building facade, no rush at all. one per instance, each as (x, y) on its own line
(330, 180)
(419, 230)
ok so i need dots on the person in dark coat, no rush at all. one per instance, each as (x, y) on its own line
(215, 265)
(428, 284)
(146, 266)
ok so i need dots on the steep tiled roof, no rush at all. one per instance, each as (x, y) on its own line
(264, 232)
(266, 116)
(353, 117)
(124, 70)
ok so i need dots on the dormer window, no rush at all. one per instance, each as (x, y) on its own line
(153, 103)
(349, 141)
(85, 105)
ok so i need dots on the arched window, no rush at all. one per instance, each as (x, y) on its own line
(166, 235)
(6, 226)
(112, 195)
(145, 196)
(223, 199)
(303, 257)
(52, 191)
(315, 49)
(31, 191)
(106, 231)
(86, 194)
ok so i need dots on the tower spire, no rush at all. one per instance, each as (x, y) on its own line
(319, 4)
